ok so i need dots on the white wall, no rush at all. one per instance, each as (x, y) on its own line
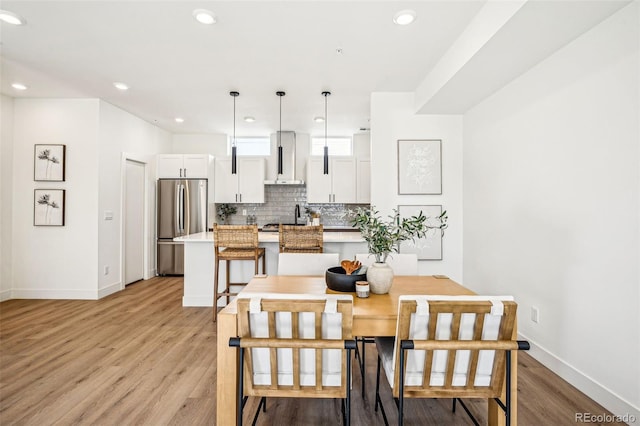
(67, 262)
(56, 262)
(392, 118)
(6, 193)
(551, 188)
(120, 132)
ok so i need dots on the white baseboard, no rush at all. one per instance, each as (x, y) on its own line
(45, 293)
(594, 390)
(5, 295)
(110, 289)
(149, 274)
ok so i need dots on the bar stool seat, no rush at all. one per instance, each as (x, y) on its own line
(240, 242)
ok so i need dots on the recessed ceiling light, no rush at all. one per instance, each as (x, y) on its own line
(249, 119)
(404, 17)
(121, 86)
(318, 119)
(204, 16)
(11, 18)
(19, 86)
(179, 120)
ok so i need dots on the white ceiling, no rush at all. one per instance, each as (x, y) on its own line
(177, 67)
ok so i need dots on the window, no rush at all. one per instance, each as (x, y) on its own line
(337, 145)
(258, 145)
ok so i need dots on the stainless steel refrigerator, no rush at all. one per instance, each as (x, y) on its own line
(182, 210)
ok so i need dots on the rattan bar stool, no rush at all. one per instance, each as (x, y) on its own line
(301, 239)
(240, 242)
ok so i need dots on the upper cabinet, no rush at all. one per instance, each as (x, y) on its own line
(363, 182)
(339, 186)
(246, 186)
(184, 166)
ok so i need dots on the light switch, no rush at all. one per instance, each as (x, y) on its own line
(108, 215)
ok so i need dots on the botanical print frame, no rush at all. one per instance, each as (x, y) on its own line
(419, 166)
(429, 247)
(49, 162)
(48, 207)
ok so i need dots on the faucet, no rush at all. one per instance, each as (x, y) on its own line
(296, 214)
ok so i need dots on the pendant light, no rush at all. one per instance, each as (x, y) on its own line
(280, 95)
(326, 147)
(234, 163)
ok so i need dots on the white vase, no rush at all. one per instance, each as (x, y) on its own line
(380, 277)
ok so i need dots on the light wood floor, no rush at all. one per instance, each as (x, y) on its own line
(139, 357)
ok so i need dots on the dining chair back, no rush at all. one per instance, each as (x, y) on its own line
(449, 347)
(301, 239)
(299, 346)
(231, 243)
(306, 263)
(401, 263)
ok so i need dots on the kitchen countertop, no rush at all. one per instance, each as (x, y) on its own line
(333, 236)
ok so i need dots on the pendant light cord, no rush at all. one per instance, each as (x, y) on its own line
(325, 94)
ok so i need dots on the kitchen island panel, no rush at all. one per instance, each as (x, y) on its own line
(199, 261)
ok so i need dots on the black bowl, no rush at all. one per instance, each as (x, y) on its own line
(338, 280)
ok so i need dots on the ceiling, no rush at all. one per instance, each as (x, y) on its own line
(177, 67)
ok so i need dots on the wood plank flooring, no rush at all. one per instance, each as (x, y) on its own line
(138, 357)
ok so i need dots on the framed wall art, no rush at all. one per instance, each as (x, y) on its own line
(49, 163)
(48, 207)
(429, 247)
(419, 166)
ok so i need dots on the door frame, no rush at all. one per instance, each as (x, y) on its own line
(146, 232)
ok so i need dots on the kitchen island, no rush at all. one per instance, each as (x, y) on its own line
(199, 261)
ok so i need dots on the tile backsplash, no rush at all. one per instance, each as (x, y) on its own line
(280, 203)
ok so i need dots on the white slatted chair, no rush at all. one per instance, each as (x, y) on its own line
(285, 335)
(306, 263)
(450, 347)
(401, 263)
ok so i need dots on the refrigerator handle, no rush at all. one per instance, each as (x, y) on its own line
(181, 209)
(176, 220)
(186, 215)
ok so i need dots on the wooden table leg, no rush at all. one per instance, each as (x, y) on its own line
(226, 370)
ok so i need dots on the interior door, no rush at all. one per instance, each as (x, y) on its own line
(134, 222)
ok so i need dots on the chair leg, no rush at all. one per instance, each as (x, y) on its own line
(348, 408)
(362, 364)
(378, 399)
(401, 388)
(263, 405)
(215, 291)
(240, 378)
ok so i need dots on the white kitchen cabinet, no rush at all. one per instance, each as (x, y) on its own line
(363, 182)
(184, 166)
(339, 186)
(246, 186)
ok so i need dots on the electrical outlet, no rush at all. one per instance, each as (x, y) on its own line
(244, 212)
(106, 270)
(535, 314)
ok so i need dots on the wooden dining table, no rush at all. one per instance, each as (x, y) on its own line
(372, 316)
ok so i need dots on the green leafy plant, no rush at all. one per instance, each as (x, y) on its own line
(383, 236)
(225, 210)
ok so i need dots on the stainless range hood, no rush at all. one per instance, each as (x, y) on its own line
(288, 176)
